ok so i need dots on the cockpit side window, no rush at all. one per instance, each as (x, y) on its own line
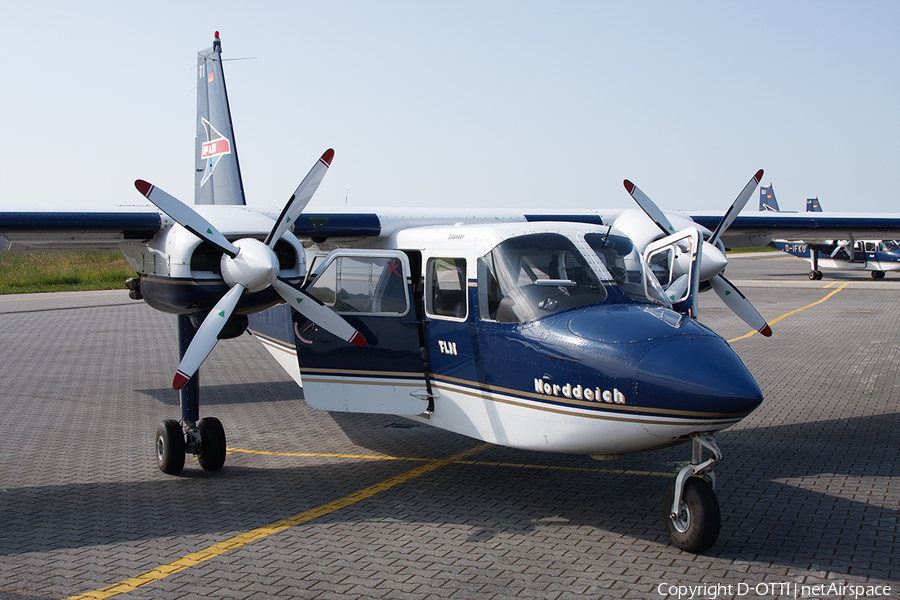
(532, 276)
(627, 267)
(446, 288)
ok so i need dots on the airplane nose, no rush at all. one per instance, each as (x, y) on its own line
(697, 374)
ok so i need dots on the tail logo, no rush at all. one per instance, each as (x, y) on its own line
(212, 150)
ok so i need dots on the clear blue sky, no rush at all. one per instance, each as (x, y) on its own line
(469, 104)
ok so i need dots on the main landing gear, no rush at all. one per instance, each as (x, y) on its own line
(878, 274)
(691, 508)
(203, 437)
(815, 275)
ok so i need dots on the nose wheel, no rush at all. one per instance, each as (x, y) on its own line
(691, 507)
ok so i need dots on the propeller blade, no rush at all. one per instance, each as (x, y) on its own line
(311, 308)
(840, 247)
(648, 206)
(678, 287)
(736, 207)
(301, 197)
(185, 216)
(206, 337)
(739, 304)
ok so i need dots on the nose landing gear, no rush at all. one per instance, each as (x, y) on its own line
(691, 508)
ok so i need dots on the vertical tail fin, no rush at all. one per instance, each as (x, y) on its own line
(767, 199)
(217, 176)
(812, 205)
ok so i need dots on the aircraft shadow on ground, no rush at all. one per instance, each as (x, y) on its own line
(231, 394)
(764, 518)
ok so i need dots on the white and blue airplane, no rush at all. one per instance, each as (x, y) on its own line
(566, 331)
(877, 256)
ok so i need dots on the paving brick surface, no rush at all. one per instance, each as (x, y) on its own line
(809, 486)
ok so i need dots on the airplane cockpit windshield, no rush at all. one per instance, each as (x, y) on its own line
(532, 276)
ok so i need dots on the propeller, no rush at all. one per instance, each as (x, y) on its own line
(712, 259)
(846, 246)
(249, 265)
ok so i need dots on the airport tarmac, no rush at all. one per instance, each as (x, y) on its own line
(320, 505)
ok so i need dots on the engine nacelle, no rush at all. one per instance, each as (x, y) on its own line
(182, 274)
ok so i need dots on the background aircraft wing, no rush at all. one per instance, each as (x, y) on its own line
(759, 229)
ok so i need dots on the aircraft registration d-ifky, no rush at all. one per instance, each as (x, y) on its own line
(876, 256)
(571, 332)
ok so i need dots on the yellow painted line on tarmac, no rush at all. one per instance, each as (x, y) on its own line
(462, 462)
(195, 558)
(322, 455)
(793, 312)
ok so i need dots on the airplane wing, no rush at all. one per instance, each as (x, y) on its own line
(77, 229)
(760, 229)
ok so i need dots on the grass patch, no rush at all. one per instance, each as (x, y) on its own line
(62, 271)
(754, 249)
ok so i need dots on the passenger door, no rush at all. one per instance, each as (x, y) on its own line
(371, 289)
(449, 339)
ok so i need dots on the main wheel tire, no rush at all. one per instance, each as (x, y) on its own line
(812, 276)
(697, 527)
(212, 444)
(170, 447)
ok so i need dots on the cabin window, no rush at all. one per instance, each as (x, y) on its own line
(446, 286)
(531, 276)
(359, 284)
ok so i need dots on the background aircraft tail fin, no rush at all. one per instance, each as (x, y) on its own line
(217, 176)
(812, 205)
(767, 199)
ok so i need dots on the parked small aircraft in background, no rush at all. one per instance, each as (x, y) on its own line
(877, 256)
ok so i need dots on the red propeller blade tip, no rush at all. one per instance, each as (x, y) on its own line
(358, 339)
(143, 187)
(628, 186)
(327, 157)
(766, 330)
(180, 380)
(758, 176)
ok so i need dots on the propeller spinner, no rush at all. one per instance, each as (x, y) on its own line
(249, 265)
(713, 260)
